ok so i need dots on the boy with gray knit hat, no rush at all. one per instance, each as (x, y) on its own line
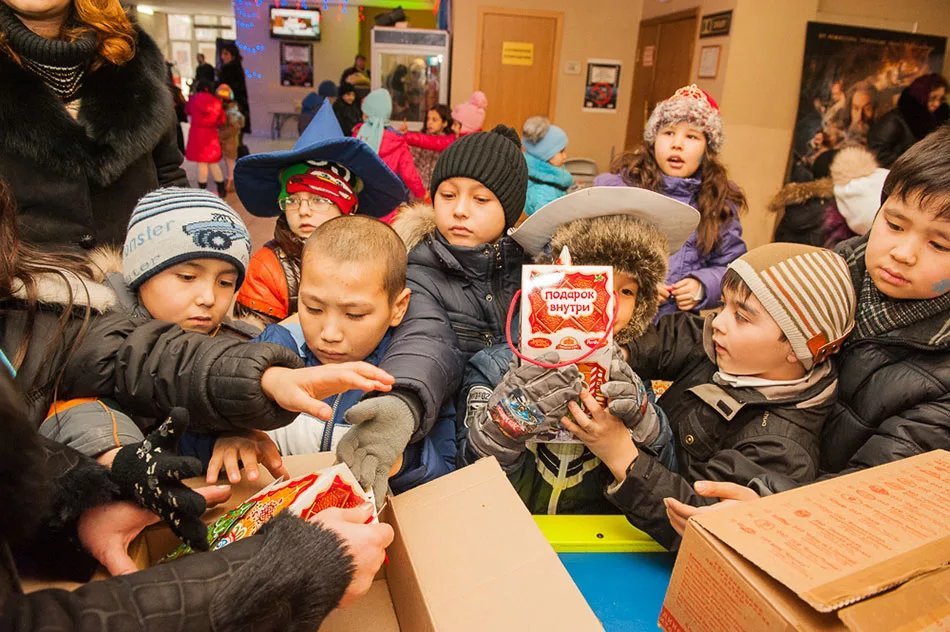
(463, 272)
(752, 386)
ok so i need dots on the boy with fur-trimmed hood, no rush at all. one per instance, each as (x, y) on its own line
(633, 230)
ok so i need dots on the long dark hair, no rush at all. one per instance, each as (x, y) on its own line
(20, 266)
(445, 113)
(718, 200)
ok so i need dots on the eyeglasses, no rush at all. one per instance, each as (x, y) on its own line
(294, 203)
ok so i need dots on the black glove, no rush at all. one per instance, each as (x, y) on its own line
(151, 471)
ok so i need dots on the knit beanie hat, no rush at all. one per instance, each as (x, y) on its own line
(542, 139)
(325, 179)
(807, 291)
(493, 158)
(471, 114)
(327, 89)
(693, 105)
(173, 225)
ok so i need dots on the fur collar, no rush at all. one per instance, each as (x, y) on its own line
(124, 111)
(413, 223)
(795, 193)
(65, 289)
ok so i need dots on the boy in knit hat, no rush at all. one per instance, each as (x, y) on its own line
(545, 148)
(185, 255)
(752, 386)
(463, 272)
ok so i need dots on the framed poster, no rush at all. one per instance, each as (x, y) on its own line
(708, 62)
(181, 55)
(603, 82)
(851, 77)
(296, 65)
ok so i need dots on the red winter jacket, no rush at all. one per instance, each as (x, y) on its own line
(395, 153)
(207, 115)
(432, 142)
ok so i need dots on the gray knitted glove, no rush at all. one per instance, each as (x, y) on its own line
(382, 427)
(627, 399)
(531, 400)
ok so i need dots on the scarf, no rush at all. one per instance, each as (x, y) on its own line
(377, 106)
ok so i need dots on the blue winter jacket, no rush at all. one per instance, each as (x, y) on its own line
(546, 183)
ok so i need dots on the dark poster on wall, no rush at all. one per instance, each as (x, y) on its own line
(851, 77)
(296, 65)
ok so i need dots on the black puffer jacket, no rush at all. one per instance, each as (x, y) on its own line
(76, 182)
(459, 305)
(287, 578)
(148, 367)
(721, 433)
(894, 390)
(903, 126)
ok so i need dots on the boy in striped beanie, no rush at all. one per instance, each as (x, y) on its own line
(752, 386)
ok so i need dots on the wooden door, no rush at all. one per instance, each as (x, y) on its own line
(664, 60)
(517, 64)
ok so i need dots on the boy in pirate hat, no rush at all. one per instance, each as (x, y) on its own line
(325, 175)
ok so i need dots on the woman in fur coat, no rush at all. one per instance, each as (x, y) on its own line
(87, 125)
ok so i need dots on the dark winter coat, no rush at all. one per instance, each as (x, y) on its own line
(893, 390)
(459, 304)
(75, 183)
(232, 73)
(46, 487)
(903, 126)
(802, 208)
(720, 432)
(143, 366)
(349, 115)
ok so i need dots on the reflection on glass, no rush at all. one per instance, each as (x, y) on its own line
(413, 82)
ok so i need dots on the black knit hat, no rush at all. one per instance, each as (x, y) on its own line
(493, 158)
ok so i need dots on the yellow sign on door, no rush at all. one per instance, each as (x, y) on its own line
(517, 53)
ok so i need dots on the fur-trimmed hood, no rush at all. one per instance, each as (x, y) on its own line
(124, 112)
(66, 289)
(413, 222)
(795, 193)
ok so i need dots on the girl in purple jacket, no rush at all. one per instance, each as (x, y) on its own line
(679, 158)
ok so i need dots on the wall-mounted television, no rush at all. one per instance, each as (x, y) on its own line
(296, 24)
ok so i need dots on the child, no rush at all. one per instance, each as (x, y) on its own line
(311, 104)
(185, 255)
(426, 145)
(469, 116)
(679, 158)
(207, 115)
(230, 133)
(545, 148)
(751, 389)
(463, 272)
(634, 231)
(347, 109)
(391, 147)
(325, 175)
(353, 297)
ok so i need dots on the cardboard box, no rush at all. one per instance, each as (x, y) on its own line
(866, 551)
(466, 556)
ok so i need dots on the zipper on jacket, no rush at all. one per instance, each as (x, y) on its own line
(326, 441)
(500, 310)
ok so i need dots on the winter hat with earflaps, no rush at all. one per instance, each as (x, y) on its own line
(492, 158)
(807, 291)
(173, 225)
(377, 107)
(693, 105)
(257, 178)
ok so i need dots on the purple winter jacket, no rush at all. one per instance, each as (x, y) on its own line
(688, 261)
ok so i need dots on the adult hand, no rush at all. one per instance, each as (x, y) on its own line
(688, 293)
(246, 448)
(366, 544)
(107, 530)
(604, 434)
(727, 493)
(301, 390)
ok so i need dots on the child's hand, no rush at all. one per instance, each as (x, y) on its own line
(662, 292)
(688, 293)
(403, 127)
(250, 448)
(302, 390)
(728, 494)
(603, 433)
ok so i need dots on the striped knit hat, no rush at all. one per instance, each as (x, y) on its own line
(807, 291)
(172, 225)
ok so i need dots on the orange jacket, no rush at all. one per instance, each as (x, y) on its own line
(266, 290)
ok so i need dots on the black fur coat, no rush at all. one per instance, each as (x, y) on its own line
(76, 182)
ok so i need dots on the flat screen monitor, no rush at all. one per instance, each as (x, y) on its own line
(297, 24)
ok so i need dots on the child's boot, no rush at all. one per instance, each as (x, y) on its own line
(222, 189)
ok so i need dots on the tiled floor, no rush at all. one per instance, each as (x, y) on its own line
(261, 228)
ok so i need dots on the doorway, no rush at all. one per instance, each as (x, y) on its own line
(516, 64)
(664, 61)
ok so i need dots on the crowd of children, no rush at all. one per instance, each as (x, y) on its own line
(816, 362)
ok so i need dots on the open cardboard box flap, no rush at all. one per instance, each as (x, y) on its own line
(831, 544)
(466, 552)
